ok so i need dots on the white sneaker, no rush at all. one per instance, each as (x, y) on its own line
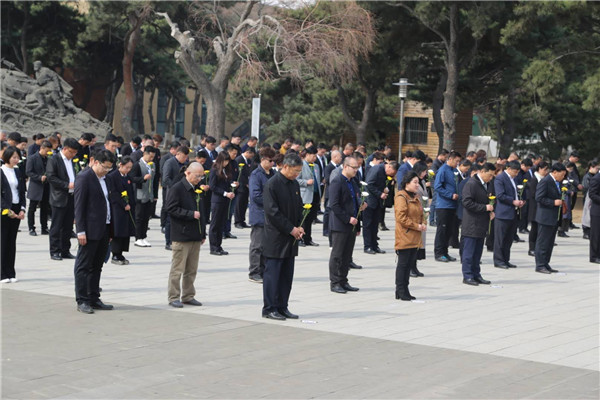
(13, 280)
(139, 243)
(7, 280)
(146, 243)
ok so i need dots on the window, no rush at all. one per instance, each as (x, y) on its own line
(415, 130)
(161, 112)
(179, 119)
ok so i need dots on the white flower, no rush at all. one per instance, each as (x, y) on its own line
(426, 209)
(365, 194)
(233, 185)
(519, 187)
(565, 182)
(82, 163)
(363, 183)
(455, 172)
(425, 198)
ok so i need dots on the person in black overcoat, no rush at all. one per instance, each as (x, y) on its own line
(548, 196)
(283, 220)
(542, 170)
(38, 192)
(94, 222)
(243, 191)
(476, 215)
(594, 193)
(124, 209)
(220, 179)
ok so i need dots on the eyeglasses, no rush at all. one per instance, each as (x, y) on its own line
(353, 167)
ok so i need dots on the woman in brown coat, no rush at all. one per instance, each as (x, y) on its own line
(409, 226)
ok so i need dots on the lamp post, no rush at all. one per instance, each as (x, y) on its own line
(402, 92)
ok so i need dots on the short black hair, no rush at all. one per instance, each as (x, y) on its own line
(150, 149)
(72, 144)
(514, 164)
(311, 150)
(175, 144)
(202, 154)
(46, 144)
(543, 165)
(183, 149)
(16, 136)
(322, 146)
(466, 162)
(443, 152)
(527, 162)
(125, 160)
(394, 165)
(87, 136)
(410, 175)
(558, 167)
(454, 154)
(110, 138)
(211, 139)
(137, 140)
(419, 167)
(488, 167)
(8, 153)
(250, 149)
(104, 155)
(292, 159)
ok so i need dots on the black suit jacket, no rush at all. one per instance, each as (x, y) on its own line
(545, 194)
(594, 192)
(7, 199)
(58, 179)
(36, 168)
(245, 176)
(127, 150)
(475, 217)
(90, 205)
(532, 183)
(123, 220)
(181, 204)
(171, 172)
(218, 186)
(376, 180)
(326, 175)
(342, 204)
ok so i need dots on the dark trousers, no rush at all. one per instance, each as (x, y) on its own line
(432, 208)
(340, 257)
(143, 212)
(326, 217)
(523, 217)
(44, 206)
(163, 209)
(370, 227)
(230, 208)
(61, 228)
(453, 242)
(88, 267)
(594, 238)
(310, 218)
(489, 238)
(533, 233)
(118, 245)
(445, 224)
(407, 260)
(10, 227)
(240, 207)
(504, 234)
(257, 260)
(217, 223)
(544, 244)
(277, 283)
(472, 249)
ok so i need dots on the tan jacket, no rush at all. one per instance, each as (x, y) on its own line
(409, 214)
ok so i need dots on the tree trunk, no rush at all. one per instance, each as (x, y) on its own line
(452, 80)
(509, 131)
(109, 98)
(359, 128)
(150, 112)
(195, 119)
(136, 19)
(24, 58)
(438, 100)
(215, 114)
(169, 125)
(139, 105)
(499, 134)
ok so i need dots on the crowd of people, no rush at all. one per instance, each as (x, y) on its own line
(109, 192)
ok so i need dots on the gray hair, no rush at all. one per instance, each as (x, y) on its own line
(292, 160)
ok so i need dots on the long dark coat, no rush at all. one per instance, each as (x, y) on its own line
(476, 218)
(123, 223)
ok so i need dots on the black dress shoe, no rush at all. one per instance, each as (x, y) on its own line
(45, 232)
(274, 315)
(517, 240)
(215, 253)
(471, 282)
(511, 265)
(586, 236)
(223, 252)
(85, 308)
(56, 257)
(503, 266)
(239, 226)
(286, 313)
(176, 304)
(482, 281)
(168, 247)
(338, 289)
(595, 260)
(450, 258)
(404, 297)
(311, 243)
(229, 236)
(32, 232)
(99, 305)
(349, 288)
(415, 273)
(542, 270)
(353, 265)
(383, 228)
(68, 256)
(523, 230)
(531, 253)
(379, 251)
(563, 235)
(370, 251)
(317, 221)
(193, 302)
(255, 278)
(549, 268)
(573, 226)
(301, 243)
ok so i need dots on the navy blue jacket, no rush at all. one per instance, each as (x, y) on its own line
(90, 205)
(403, 170)
(258, 180)
(461, 185)
(342, 204)
(445, 186)
(545, 194)
(505, 195)
(376, 180)
(218, 186)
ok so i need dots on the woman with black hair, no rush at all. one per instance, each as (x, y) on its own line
(420, 168)
(409, 226)
(13, 210)
(220, 180)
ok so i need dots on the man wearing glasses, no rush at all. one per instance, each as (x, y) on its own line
(93, 218)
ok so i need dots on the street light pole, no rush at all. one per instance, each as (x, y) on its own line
(402, 93)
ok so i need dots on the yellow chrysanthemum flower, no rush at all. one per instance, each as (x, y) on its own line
(524, 180)
(124, 193)
(85, 156)
(76, 160)
(241, 164)
(564, 189)
(199, 191)
(492, 197)
(5, 211)
(50, 153)
(307, 206)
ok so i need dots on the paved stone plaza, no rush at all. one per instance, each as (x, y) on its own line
(527, 336)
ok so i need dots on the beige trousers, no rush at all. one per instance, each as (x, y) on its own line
(184, 267)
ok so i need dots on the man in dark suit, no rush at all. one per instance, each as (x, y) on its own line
(477, 213)
(378, 191)
(163, 213)
(344, 201)
(142, 175)
(505, 224)
(594, 193)
(549, 203)
(60, 174)
(172, 172)
(38, 192)
(336, 160)
(188, 231)
(532, 182)
(93, 218)
(241, 204)
(131, 147)
(283, 215)
(525, 174)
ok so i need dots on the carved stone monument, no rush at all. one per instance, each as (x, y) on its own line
(43, 105)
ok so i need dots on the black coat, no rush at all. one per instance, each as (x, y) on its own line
(181, 205)
(326, 175)
(376, 181)
(36, 168)
(283, 212)
(461, 186)
(172, 172)
(476, 218)
(531, 188)
(244, 177)
(545, 194)
(7, 200)
(594, 193)
(90, 205)
(123, 219)
(58, 179)
(342, 205)
(218, 186)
